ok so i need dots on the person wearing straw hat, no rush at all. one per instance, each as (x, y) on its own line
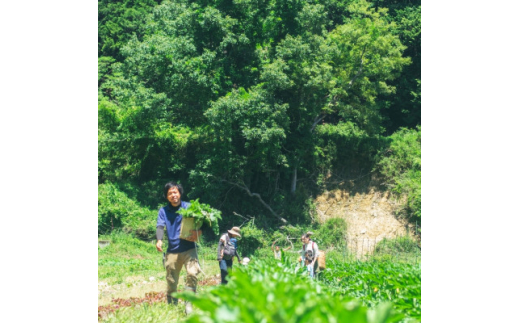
(227, 249)
(180, 252)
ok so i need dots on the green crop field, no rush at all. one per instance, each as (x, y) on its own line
(266, 290)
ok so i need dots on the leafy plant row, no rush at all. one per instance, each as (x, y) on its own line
(271, 291)
(375, 282)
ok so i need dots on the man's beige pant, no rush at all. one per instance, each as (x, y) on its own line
(174, 263)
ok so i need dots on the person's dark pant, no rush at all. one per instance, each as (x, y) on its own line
(225, 267)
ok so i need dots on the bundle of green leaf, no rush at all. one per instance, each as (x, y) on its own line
(201, 213)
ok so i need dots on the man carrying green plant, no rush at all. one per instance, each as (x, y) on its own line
(181, 252)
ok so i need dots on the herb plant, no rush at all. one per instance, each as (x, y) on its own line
(202, 213)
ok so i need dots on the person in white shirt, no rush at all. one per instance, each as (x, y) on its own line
(311, 245)
(277, 252)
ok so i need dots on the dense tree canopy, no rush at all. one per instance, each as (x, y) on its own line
(247, 102)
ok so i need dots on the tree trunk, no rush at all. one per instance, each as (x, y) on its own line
(293, 183)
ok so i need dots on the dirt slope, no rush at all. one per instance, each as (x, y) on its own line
(370, 216)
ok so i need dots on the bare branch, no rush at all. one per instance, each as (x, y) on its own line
(252, 219)
(243, 217)
(316, 121)
(245, 188)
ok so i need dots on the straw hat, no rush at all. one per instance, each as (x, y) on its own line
(235, 231)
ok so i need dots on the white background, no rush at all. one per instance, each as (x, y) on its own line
(48, 131)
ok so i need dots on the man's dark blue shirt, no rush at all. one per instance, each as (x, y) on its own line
(171, 220)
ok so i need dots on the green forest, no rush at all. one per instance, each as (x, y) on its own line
(255, 106)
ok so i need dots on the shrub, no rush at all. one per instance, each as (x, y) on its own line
(331, 233)
(400, 165)
(253, 239)
(117, 211)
